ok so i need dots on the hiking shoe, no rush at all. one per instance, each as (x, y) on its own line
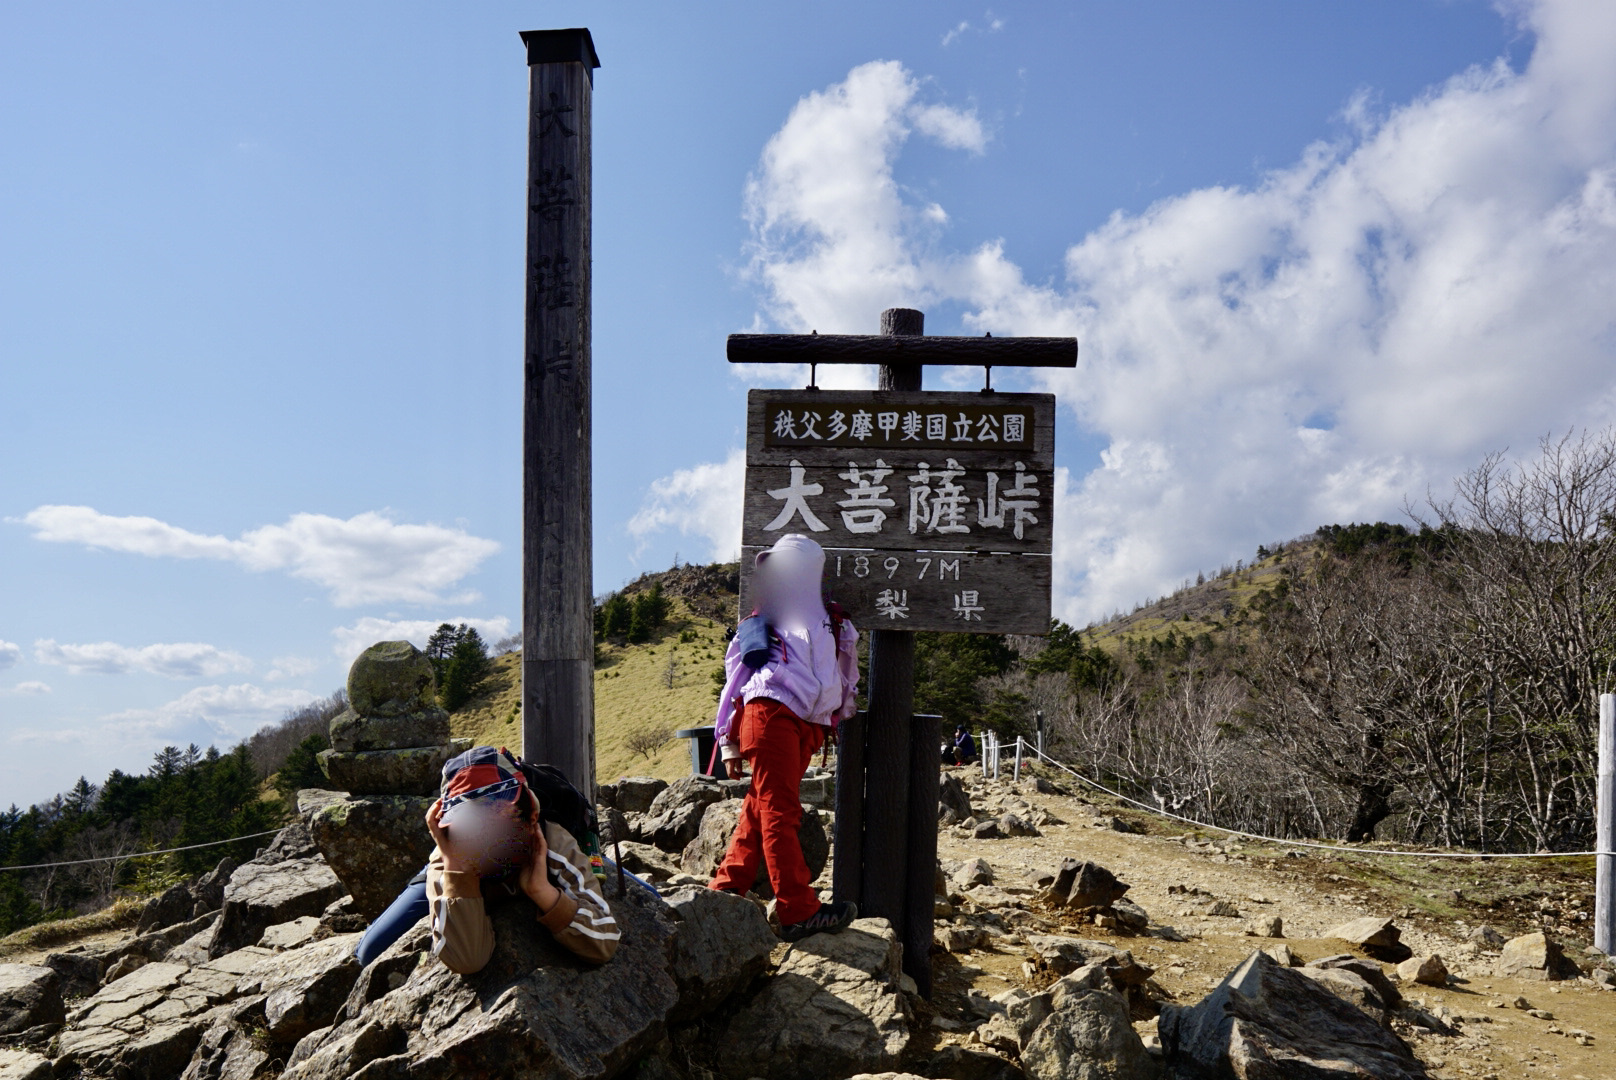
(827, 920)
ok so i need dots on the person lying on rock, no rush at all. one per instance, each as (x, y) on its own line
(792, 672)
(492, 843)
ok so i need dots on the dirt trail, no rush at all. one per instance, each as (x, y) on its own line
(1311, 894)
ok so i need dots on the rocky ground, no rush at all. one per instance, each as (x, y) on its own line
(1210, 905)
(1074, 942)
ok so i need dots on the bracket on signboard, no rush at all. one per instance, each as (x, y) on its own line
(987, 387)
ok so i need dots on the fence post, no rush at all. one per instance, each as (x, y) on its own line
(1040, 733)
(1018, 759)
(1605, 830)
(982, 751)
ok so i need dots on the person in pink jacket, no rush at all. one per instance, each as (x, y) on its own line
(792, 673)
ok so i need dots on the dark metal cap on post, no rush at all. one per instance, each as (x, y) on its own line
(561, 47)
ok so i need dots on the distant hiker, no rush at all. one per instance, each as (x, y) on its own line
(495, 841)
(964, 746)
(792, 673)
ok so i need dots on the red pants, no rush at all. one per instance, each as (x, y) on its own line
(780, 746)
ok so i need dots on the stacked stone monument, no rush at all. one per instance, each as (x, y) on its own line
(387, 754)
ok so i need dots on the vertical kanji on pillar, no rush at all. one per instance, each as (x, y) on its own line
(558, 704)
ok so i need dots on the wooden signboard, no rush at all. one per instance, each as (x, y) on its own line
(935, 509)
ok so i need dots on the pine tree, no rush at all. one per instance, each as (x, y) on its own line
(441, 645)
(465, 671)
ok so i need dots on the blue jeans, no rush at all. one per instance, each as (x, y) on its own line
(409, 908)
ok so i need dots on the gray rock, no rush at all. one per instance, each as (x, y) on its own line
(342, 917)
(964, 1063)
(987, 830)
(228, 1052)
(1017, 1016)
(79, 973)
(1270, 926)
(292, 842)
(703, 854)
(648, 862)
(290, 935)
(1367, 970)
(533, 1011)
(721, 942)
(390, 678)
(1062, 954)
(415, 771)
(973, 872)
(304, 988)
(1128, 917)
(635, 794)
(818, 792)
(1087, 1036)
(674, 817)
(1486, 937)
(1266, 1021)
(207, 891)
(423, 727)
(1427, 970)
(1378, 937)
(24, 1065)
(173, 905)
(951, 796)
(373, 843)
(124, 965)
(1082, 884)
(1536, 956)
(831, 1009)
(1350, 987)
(259, 896)
(1012, 824)
(30, 995)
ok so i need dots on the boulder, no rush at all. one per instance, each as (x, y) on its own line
(1367, 970)
(1126, 917)
(1378, 937)
(635, 794)
(260, 895)
(207, 891)
(963, 1063)
(373, 843)
(1017, 1015)
(832, 1008)
(648, 862)
(1013, 824)
(721, 942)
(1087, 1036)
(1086, 885)
(79, 973)
(1271, 926)
(292, 842)
(951, 798)
(1352, 988)
(1486, 937)
(342, 917)
(1428, 970)
(1536, 956)
(172, 905)
(1283, 955)
(674, 817)
(1062, 954)
(703, 854)
(30, 995)
(973, 872)
(1264, 1021)
(303, 988)
(24, 1065)
(391, 678)
(987, 830)
(534, 1010)
(414, 771)
(290, 935)
(228, 1052)
(422, 727)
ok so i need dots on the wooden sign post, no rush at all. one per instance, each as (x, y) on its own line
(935, 510)
(558, 638)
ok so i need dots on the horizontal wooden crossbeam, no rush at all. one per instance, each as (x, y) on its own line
(876, 349)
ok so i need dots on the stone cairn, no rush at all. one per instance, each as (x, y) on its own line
(386, 758)
(393, 739)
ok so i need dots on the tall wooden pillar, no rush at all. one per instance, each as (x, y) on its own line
(558, 643)
(891, 704)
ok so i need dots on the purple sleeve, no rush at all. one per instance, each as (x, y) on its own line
(736, 674)
(847, 664)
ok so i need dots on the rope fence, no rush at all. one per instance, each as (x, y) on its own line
(1339, 849)
(140, 854)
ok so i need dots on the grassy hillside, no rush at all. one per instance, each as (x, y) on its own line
(632, 692)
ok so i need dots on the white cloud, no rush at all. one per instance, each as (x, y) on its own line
(990, 24)
(10, 653)
(31, 687)
(355, 639)
(369, 558)
(290, 667)
(178, 660)
(833, 240)
(1354, 328)
(202, 714)
(703, 501)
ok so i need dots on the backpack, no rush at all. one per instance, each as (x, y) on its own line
(562, 804)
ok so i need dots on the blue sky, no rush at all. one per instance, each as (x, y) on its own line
(260, 295)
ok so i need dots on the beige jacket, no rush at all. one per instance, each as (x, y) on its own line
(463, 935)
